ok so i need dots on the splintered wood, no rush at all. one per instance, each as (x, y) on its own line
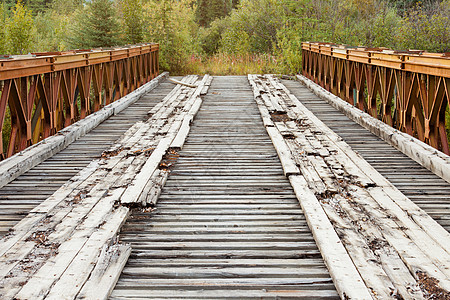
(67, 248)
(375, 241)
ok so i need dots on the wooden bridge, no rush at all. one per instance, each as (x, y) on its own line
(234, 187)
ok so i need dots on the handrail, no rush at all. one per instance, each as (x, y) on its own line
(42, 93)
(409, 90)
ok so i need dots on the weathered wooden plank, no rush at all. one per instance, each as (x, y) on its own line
(71, 266)
(182, 83)
(106, 273)
(388, 272)
(285, 155)
(344, 273)
(133, 192)
(398, 233)
(158, 182)
(228, 294)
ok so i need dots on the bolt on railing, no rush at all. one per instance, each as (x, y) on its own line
(409, 90)
(42, 93)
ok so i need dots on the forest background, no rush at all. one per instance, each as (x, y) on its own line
(223, 36)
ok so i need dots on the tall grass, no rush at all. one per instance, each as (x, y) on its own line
(232, 64)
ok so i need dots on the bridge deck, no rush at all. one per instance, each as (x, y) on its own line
(227, 223)
(227, 217)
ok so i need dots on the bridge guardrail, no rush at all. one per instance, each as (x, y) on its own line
(43, 93)
(409, 90)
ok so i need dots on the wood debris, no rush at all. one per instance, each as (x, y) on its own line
(383, 235)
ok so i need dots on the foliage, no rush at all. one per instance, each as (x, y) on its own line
(51, 31)
(232, 64)
(252, 27)
(210, 10)
(20, 30)
(133, 19)
(66, 7)
(209, 38)
(94, 26)
(40, 6)
(384, 29)
(53, 25)
(294, 31)
(3, 22)
(6, 132)
(427, 28)
(172, 24)
(37, 6)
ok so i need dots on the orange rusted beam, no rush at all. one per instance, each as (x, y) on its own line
(409, 90)
(45, 92)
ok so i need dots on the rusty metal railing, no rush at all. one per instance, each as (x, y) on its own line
(45, 92)
(408, 90)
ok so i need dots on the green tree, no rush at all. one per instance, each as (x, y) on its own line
(385, 27)
(3, 22)
(37, 6)
(209, 10)
(9, 4)
(20, 30)
(66, 7)
(95, 26)
(440, 34)
(210, 37)
(133, 18)
(298, 24)
(257, 21)
(171, 23)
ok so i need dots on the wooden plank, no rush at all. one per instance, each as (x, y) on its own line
(22, 247)
(179, 139)
(227, 294)
(155, 188)
(182, 83)
(407, 233)
(183, 132)
(379, 277)
(133, 192)
(68, 244)
(106, 273)
(344, 273)
(392, 263)
(77, 254)
(284, 154)
(24, 226)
